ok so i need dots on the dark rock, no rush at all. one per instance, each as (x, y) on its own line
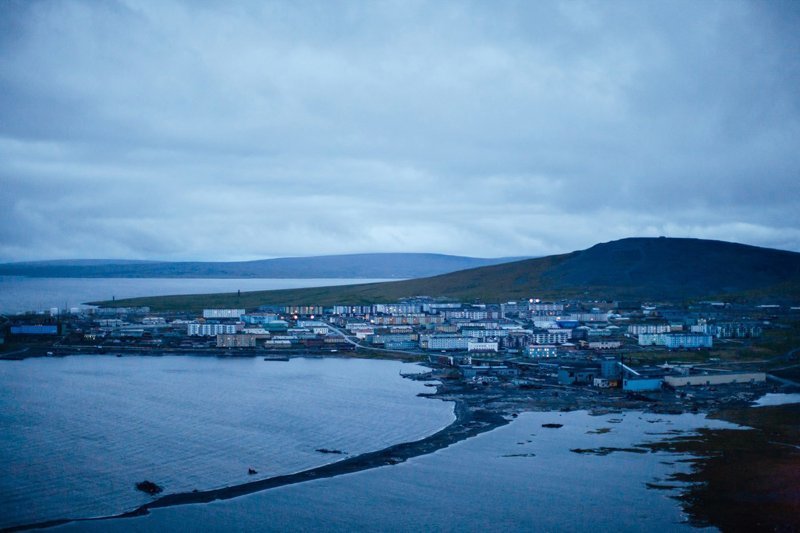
(149, 487)
(326, 450)
(252, 471)
(553, 426)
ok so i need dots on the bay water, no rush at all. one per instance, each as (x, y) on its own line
(20, 294)
(518, 477)
(77, 433)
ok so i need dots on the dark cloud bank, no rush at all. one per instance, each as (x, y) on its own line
(202, 130)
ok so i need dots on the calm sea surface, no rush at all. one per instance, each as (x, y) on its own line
(79, 432)
(520, 477)
(19, 294)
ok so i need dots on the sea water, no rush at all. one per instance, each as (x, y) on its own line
(20, 294)
(78, 433)
(518, 477)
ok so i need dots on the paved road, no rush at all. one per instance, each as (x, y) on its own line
(783, 381)
(369, 347)
(6, 354)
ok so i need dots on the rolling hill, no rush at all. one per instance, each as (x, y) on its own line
(364, 266)
(665, 269)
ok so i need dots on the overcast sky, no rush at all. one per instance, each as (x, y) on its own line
(201, 130)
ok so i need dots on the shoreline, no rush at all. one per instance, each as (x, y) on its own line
(477, 410)
(38, 351)
(470, 421)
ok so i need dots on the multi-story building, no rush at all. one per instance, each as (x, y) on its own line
(473, 313)
(397, 309)
(651, 339)
(545, 309)
(729, 330)
(674, 341)
(303, 310)
(483, 333)
(419, 319)
(223, 313)
(439, 306)
(356, 310)
(510, 309)
(444, 342)
(589, 317)
(547, 337)
(259, 318)
(481, 346)
(604, 345)
(387, 338)
(237, 341)
(196, 329)
(638, 329)
(688, 340)
(538, 351)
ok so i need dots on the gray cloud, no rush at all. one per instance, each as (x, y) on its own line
(208, 131)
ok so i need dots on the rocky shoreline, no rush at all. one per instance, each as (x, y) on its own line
(470, 421)
(479, 409)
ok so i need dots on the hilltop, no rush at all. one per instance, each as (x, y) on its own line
(666, 269)
(363, 266)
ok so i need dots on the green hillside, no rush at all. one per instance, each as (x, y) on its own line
(637, 268)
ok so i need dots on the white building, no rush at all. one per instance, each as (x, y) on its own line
(589, 317)
(604, 345)
(688, 340)
(397, 309)
(223, 313)
(638, 329)
(482, 333)
(538, 351)
(444, 342)
(195, 329)
(541, 309)
(255, 331)
(551, 338)
(652, 339)
(481, 346)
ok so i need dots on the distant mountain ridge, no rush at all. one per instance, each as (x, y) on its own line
(662, 269)
(365, 266)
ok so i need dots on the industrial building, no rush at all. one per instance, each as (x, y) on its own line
(35, 329)
(715, 378)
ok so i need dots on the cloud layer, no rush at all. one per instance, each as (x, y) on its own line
(192, 130)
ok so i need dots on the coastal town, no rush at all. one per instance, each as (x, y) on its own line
(693, 353)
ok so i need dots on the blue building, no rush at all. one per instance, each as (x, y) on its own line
(35, 329)
(642, 384)
(577, 375)
(610, 368)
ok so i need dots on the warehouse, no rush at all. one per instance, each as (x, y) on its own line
(715, 378)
